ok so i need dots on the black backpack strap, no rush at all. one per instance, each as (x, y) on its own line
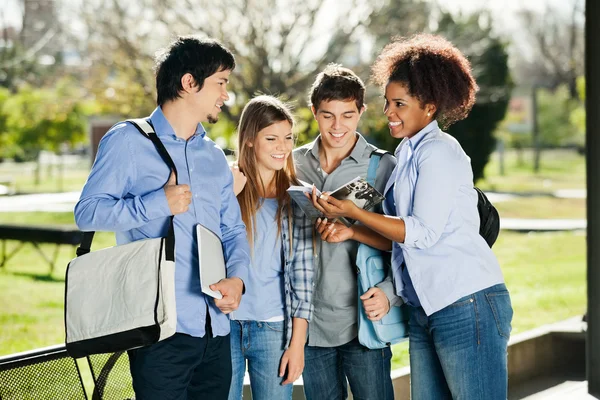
(380, 153)
(145, 127)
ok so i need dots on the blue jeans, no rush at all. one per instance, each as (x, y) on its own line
(327, 368)
(460, 352)
(262, 344)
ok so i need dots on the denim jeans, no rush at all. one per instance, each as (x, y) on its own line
(262, 345)
(460, 352)
(327, 368)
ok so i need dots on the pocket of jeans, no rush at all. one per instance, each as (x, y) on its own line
(275, 326)
(502, 309)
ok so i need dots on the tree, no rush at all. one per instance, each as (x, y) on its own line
(550, 47)
(43, 119)
(473, 35)
(489, 59)
(276, 43)
(578, 116)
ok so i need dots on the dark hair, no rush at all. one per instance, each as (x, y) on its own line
(189, 54)
(433, 71)
(337, 83)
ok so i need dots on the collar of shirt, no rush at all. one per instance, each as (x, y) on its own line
(414, 141)
(405, 149)
(162, 127)
(357, 153)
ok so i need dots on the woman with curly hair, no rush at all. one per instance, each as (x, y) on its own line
(460, 308)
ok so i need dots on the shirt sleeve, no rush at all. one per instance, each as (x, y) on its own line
(105, 203)
(302, 266)
(438, 168)
(233, 232)
(387, 286)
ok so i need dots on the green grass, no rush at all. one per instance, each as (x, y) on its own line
(559, 169)
(68, 179)
(32, 301)
(542, 207)
(545, 274)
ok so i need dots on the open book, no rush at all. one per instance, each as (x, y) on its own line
(357, 190)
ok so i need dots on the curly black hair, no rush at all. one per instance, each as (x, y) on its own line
(433, 71)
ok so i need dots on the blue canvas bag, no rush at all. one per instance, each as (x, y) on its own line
(372, 266)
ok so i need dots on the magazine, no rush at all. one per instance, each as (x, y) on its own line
(357, 190)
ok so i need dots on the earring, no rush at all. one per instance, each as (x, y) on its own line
(429, 114)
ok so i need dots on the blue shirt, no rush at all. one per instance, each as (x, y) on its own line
(263, 299)
(407, 290)
(433, 192)
(124, 194)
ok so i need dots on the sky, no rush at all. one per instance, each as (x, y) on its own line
(503, 10)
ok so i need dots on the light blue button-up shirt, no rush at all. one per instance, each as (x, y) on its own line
(124, 194)
(264, 297)
(433, 192)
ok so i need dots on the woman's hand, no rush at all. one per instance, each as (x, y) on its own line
(333, 232)
(332, 207)
(239, 179)
(375, 303)
(293, 362)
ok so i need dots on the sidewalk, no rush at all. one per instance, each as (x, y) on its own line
(496, 197)
(65, 202)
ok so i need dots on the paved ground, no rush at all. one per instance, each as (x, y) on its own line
(58, 202)
(64, 202)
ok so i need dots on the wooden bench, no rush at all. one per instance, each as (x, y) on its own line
(57, 235)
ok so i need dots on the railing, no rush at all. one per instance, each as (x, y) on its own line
(50, 373)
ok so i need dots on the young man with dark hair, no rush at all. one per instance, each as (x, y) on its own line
(132, 192)
(333, 356)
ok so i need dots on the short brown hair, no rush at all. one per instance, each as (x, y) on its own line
(337, 83)
(433, 71)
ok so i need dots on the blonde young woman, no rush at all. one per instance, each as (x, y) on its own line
(268, 331)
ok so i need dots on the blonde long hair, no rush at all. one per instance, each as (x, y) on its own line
(260, 113)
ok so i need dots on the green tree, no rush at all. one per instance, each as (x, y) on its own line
(473, 35)
(44, 119)
(555, 108)
(489, 59)
(578, 116)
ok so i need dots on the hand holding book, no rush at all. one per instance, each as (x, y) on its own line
(339, 204)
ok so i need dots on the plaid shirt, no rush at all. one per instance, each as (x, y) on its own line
(298, 268)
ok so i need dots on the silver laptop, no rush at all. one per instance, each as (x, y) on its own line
(210, 257)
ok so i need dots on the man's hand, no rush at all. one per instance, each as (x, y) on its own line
(333, 232)
(231, 289)
(293, 361)
(179, 197)
(375, 303)
(239, 179)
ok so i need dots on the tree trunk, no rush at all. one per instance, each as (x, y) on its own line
(537, 147)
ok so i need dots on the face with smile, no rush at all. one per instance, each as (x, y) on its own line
(207, 102)
(272, 147)
(337, 122)
(406, 115)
